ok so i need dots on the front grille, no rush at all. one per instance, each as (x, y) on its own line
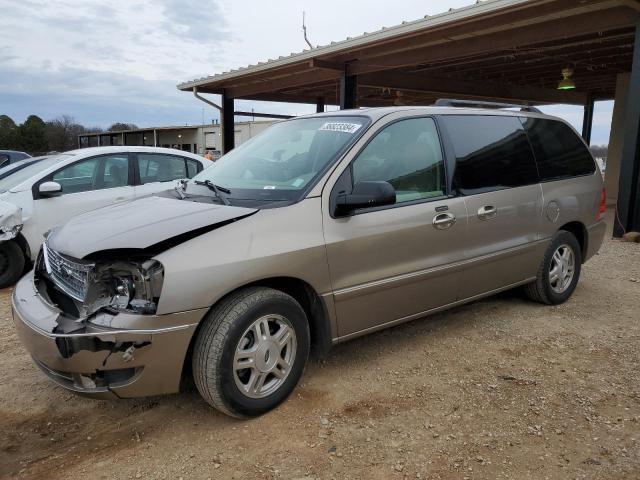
(70, 276)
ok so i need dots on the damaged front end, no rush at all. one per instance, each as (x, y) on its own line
(91, 325)
(83, 288)
(10, 221)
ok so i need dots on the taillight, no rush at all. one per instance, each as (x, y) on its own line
(603, 204)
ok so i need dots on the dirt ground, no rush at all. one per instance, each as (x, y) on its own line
(502, 388)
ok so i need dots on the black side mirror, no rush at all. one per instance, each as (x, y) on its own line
(365, 195)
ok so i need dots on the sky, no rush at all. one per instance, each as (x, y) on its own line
(120, 61)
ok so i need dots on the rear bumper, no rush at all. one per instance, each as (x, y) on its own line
(595, 237)
(121, 355)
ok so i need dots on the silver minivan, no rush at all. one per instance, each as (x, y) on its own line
(318, 230)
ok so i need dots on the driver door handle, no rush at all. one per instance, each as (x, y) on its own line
(487, 212)
(442, 221)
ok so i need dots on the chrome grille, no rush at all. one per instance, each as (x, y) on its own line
(72, 277)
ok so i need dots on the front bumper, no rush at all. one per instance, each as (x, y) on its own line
(123, 355)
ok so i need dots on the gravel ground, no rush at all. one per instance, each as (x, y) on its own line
(502, 388)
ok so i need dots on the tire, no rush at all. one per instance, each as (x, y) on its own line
(228, 334)
(12, 263)
(546, 288)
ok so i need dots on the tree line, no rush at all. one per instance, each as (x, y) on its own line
(35, 136)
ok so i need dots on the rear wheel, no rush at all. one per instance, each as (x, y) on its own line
(251, 351)
(559, 271)
(12, 263)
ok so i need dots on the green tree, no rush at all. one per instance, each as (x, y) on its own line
(8, 133)
(32, 135)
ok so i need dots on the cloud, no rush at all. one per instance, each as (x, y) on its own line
(102, 62)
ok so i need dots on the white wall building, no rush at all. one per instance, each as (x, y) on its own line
(195, 138)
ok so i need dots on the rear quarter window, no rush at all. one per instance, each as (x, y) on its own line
(559, 151)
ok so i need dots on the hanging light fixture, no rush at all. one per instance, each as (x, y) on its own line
(566, 83)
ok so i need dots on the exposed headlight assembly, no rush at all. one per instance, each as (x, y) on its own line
(125, 286)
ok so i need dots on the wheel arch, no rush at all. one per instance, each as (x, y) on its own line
(24, 246)
(312, 304)
(579, 231)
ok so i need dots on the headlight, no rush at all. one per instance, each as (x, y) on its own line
(124, 285)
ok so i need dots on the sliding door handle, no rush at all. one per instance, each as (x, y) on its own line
(442, 221)
(487, 212)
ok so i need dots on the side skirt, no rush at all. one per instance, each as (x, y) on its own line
(429, 312)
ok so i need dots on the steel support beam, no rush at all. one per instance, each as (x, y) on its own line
(227, 119)
(320, 105)
(348, 91)
(629, 189)
(587, 120)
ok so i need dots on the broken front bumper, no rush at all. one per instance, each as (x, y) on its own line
(123, 355)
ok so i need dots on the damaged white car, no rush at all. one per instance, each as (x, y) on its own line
(51, 191)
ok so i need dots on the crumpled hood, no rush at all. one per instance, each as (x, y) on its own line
(139, 224)
(10, 220)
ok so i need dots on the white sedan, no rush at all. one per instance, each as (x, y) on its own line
(49, 192)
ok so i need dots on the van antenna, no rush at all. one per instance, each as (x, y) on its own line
(304, 30)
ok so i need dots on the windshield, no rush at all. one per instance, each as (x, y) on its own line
(281, 162)
(16, 178)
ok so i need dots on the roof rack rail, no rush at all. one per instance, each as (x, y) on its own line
(452, 102)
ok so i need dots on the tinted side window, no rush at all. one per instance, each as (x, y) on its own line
(160, 168)
(492, 153)
(406, 154)
(559, 152)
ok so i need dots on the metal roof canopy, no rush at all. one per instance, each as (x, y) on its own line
(510, 50)
(500, 50)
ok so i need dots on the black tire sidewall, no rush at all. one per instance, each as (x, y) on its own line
(233, 398)
(562, 238)
(16, 261)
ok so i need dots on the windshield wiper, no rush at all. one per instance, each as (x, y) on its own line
(215, 189)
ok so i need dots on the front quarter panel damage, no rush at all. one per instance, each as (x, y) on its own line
(10, 220)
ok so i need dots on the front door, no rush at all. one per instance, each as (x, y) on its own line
(86, 185)
(497, 176)
(390, 264)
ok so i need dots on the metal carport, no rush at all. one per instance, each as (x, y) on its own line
(507, 50)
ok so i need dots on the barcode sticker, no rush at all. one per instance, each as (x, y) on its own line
(341, 127)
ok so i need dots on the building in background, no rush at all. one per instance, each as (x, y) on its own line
(195, 138)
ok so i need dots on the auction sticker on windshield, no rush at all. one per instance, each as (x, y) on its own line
(341, 127)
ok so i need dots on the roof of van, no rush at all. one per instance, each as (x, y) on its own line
(376, 113)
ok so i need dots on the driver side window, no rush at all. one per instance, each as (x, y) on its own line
(407, 154)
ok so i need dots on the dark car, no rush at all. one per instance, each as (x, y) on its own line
(11, 156)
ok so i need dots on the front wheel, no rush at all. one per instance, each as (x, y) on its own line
(559, 271)
(12, 263)
(251, 351)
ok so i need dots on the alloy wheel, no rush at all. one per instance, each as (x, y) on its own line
(562, 268)
(264, 356)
